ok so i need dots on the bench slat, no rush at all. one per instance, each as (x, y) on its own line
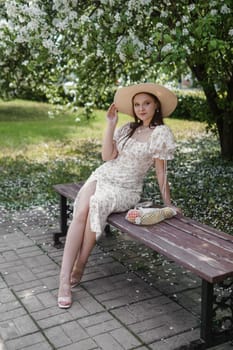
(68, 190)
(216, 260)
(166, 243)
(198, 247)
(207, 229)
(224, 246)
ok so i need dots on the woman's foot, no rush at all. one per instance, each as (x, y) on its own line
(64, 296)
(76, 276)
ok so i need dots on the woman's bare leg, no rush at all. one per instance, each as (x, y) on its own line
(74, 241)
(88, 244)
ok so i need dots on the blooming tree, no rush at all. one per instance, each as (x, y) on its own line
(96, 43)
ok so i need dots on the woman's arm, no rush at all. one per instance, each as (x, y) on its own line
(161, 173)
(109, 150)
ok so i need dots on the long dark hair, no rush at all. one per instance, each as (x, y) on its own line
(156, 120)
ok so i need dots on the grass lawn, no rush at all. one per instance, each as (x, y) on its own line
(27, 128)
(41, 146)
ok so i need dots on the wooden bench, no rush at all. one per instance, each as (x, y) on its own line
(203, 250)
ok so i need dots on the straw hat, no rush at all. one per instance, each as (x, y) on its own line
(123, 97)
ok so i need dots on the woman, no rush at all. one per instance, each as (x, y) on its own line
(116, 185)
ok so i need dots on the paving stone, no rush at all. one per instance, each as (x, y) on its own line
(226, 346)
(125, 338)
(40, 346)
(11, 314)
(103, 327)
(26, 341)
(49, 270)
(46, 313)
(51, 282)
(66, 334)
(99, 323)
(155, 318)
(95, 319)
(2, 282)
(86, 301)
(6, 296)
(17, 240)
(17, 327)
(86, 344)
(54, 320)
(120, 290)
(29, 288)
(176, 341)
(11, 277)
(35, 261)
(32, 303)
(6, 227)
(191, 300)
(74, 331)
(2, 344)
(107, 341)
(26, 252)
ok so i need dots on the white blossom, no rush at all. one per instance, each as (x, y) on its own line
(47, 43)
(177, 23)
(213, 3)
(72, 15)
(185, 19)
(230, 32)
(60, 24)
(191, 39)
(50, 46)
(33, 25)
(187, 49)
(85, 41)
(159, 25)
(163, 14)
(144, 2)
(3, 23)
(25, 63)
(167, 48)
(191, 7)
(117, 17)
(122, 57)
(129, 14)
(213, 12)
(11, 9)
(84, 19)
(225, 9)
(100, 12)
(99, 52)
(185, 31)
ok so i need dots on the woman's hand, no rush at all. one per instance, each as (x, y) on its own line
(112, 115)
(178, 210)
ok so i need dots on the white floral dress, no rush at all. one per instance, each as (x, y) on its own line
(119, 181)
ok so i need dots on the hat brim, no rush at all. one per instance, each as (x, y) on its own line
(123, 97)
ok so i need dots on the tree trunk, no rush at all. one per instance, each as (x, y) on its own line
(223, 118)
(225, 131)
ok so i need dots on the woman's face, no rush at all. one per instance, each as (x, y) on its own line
(144, 107)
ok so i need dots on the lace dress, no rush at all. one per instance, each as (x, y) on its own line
(119, 181)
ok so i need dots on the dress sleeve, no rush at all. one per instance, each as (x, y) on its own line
(121, 132)
(162, 143)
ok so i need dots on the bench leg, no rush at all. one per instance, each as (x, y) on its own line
(63, 221)
(207, 312)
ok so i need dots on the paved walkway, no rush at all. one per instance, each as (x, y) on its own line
(130, 298)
